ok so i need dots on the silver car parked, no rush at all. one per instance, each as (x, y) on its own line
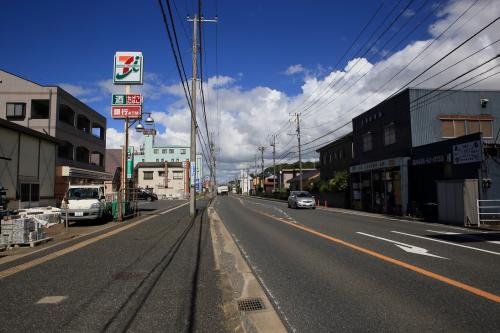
(301, 199)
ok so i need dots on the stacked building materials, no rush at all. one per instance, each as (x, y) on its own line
(18, 230)
(28, 225)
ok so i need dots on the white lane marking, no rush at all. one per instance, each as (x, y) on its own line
(406, 247)
(445, 242)
(171, 209)
(51, 299)
(464, 236)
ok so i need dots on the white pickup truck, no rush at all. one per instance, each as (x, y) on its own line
(223, 190)
(85, 202)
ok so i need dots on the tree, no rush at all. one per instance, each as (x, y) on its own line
(340, 182)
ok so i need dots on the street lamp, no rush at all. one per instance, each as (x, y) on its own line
(149, 119)
(139, 128)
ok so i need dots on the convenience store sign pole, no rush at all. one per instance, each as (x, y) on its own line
(128, 69)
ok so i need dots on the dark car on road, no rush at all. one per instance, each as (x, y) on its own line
(301, 199)
(141, 194)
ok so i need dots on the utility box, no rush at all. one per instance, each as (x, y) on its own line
(457, 201)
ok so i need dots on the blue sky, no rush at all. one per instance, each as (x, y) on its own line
(272, 56)
(74, 41)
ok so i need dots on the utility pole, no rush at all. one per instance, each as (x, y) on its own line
(194, 129)
(261, 149)
(255, 173)
(297, 120)
(192, 151)
(273, 144)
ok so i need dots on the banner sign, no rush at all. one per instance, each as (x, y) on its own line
(124, 111)
(469, 152)
(192, 175)
(130, 162)
(128, 68)
(130, 99)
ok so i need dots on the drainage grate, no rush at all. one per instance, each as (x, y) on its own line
(250, 304)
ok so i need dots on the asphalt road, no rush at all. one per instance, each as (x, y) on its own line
(157, 276)
(327, 271)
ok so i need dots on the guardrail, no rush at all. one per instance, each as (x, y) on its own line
(488, 211)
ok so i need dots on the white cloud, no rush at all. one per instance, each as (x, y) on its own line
(77, 90)
(295, 69)
(248, 116)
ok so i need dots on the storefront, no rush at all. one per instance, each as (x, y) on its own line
(380, 186)
(447, 160)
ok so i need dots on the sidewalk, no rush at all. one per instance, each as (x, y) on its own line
(76, 230)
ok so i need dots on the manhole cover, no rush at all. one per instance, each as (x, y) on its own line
(250, 304)
(123, 276)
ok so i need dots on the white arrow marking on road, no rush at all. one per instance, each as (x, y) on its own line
(444, 242)
(406, 247)
(463, 235)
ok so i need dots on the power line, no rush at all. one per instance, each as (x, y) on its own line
(187, 92)
(339, 61)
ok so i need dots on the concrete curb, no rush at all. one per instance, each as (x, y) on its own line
(239, 282)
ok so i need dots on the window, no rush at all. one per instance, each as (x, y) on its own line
(486, 128)
(177, 175)
(16, 110)
(473, 126)
(171, 151)
(148, 175)
(157, 160)
(452, 128)
(142, 160)
(40, 109)
(155, 151)
(163, 151)
(341, 154)
(30, 192)
(389, 134)
(177, 160)
(447, 129)
(367, 142)
(163, 160)
(459, 127)
(172, 160)
(161, 173)
(183, 151)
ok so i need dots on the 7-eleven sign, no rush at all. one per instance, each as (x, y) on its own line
(128, 68)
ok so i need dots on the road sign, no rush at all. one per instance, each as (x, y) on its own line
(126, 111)
(128, 68)
(130, 99)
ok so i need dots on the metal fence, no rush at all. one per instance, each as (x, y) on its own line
(488, 211)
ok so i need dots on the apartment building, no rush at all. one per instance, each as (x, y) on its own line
(51, 110)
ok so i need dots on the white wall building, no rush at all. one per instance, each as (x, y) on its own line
(245, 182)
(166, 179)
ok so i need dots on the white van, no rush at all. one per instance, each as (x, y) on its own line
(85, 202)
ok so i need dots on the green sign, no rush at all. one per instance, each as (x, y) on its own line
(130, 162)
(130, 99)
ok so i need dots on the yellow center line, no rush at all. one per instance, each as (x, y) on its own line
(439, 277)
(57, 254)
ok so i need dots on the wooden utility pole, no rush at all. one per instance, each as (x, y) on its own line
(273, 144)
(192, 151)
(194, 129)
(261, 149)
(297, 120)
